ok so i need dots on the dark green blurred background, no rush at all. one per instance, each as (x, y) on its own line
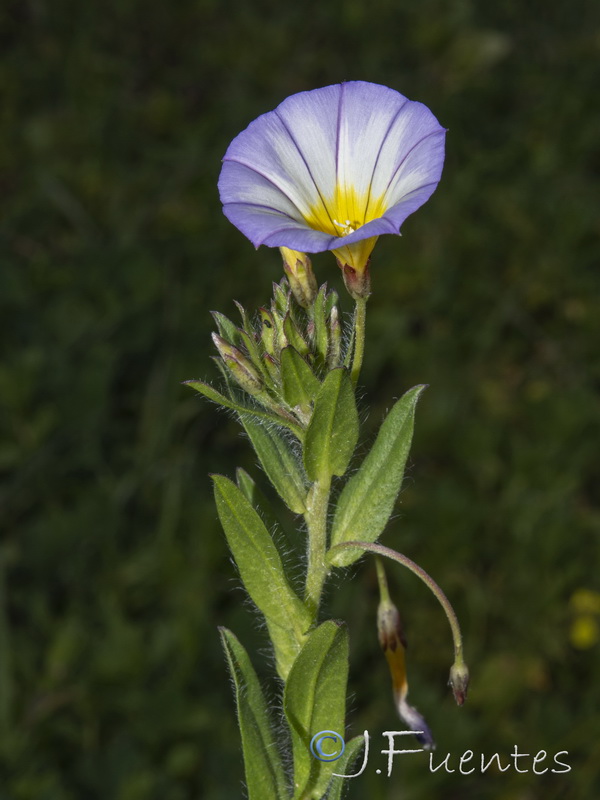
(114, 119)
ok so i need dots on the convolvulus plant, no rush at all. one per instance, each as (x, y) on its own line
(330, 169)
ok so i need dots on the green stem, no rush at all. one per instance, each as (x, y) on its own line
(420, 573)
(384, 592)
(360, 318)
(316, 522)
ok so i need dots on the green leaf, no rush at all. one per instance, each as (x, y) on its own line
(292, 542)
(298, 381)
(264, 772)
(256, 498)
(245, 412)
(332, 432)
(367, 500)
(343, 766)
(226, 328)
(279, 463)
(225, 374)
(315, 700)
(261, 571)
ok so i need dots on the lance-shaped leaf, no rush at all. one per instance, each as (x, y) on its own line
(258, 501)
(344, 765)
(297, 378)
(315, 700)
(261, 571)
(332, 432)
(367, 500)
(255, 496)
(264, 773)
(279, 463)
(244, 411)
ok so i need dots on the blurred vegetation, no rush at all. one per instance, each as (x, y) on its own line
(115, 573)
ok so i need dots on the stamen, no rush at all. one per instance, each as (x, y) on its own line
(347, 227)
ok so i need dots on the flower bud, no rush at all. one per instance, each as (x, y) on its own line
(239, 366)
(281, 298)
(358, 282)
(280, 339)
(268, 331)
(298, 270)
(459, 681)
(335, 339)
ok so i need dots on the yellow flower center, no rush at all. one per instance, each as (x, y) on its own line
(344, 213)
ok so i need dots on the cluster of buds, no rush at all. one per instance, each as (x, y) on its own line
(281, 360)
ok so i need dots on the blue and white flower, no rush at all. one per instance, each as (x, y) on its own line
(332, 169)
